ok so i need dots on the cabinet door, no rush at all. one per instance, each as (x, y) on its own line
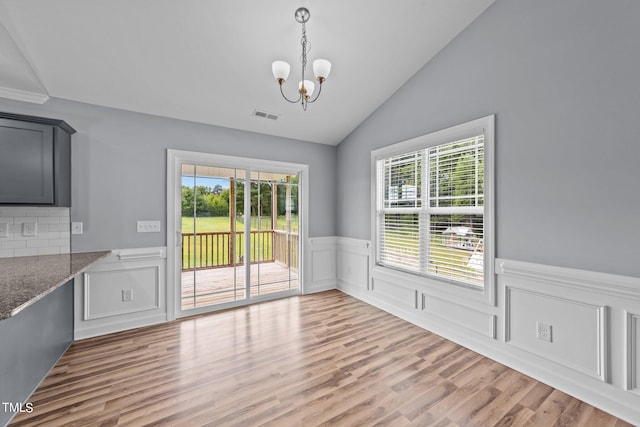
(26, 163)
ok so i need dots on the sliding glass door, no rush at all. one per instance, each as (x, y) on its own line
(239, 235)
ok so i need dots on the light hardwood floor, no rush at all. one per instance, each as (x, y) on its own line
(322, 359)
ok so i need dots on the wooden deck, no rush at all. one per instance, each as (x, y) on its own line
(216, 285)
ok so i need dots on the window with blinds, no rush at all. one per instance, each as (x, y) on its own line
(430, 211)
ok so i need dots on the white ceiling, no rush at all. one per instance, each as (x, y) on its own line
(210, 61)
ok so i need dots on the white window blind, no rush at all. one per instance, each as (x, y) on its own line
(430, 211)
(400, 243)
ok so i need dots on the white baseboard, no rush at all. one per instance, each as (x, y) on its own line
(320, 287)
(119, 325)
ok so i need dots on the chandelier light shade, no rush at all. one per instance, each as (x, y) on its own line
(307, 88)
(321, 67)
(280, 70)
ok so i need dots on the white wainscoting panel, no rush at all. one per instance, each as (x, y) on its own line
(353, 264)
(594, 316)
(633, 352)
(101, 305)
(323, 264)
(403, 296)
(578, 330)
(475, 320)
(104, 291)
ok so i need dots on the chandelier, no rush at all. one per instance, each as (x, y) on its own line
(321, 67)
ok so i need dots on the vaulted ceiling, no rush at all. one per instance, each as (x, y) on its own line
(210, 61)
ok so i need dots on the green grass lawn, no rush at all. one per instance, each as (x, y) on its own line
(444, 258)
(221, 223)
(445, 261)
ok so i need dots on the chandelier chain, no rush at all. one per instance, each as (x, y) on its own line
(304, 43)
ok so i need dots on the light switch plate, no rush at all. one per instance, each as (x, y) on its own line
(148, 226)
(4, 229)
(30, 229)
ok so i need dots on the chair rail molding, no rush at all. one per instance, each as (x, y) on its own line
(622, 286)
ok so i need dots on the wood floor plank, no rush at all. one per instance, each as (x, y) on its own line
(551, 409)
(518, 415)
(493, 412)
(321, 359)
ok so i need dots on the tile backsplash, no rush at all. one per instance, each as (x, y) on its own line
(52, 231)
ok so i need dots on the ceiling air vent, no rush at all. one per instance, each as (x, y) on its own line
(265, 115)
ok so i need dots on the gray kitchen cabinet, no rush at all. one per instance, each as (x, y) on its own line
(35, 161)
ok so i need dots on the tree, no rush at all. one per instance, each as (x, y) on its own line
(187, 201)
(216, 205)
(224, 195)
(239, 198)
(202, 205)
(261, 200)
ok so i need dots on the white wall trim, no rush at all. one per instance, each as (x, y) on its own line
(354, 245)
(177, 157)
(622, 286)
(632, 352)
(139, 321)
(484, 323)
(328, 242)
(90, 315)
(353, 266)
(485, 125)
(599, 311)
(134, 254)
(609, 301)
(594, 392)
(323, 264)
(138, 254)
(141, 269)
(23, 95)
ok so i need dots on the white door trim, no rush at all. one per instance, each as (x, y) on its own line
(174, 159)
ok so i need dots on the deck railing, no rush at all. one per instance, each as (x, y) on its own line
(285, 248)
(220, 249)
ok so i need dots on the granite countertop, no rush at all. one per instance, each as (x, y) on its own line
(24, 280)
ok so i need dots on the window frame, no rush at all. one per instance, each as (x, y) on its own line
(484, 126)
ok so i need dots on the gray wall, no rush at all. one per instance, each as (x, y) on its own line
(562, 78)
(119, 168)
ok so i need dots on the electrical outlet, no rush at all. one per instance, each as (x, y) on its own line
(543, 331)
(76, 228)
(30, 229)
(127, 295)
